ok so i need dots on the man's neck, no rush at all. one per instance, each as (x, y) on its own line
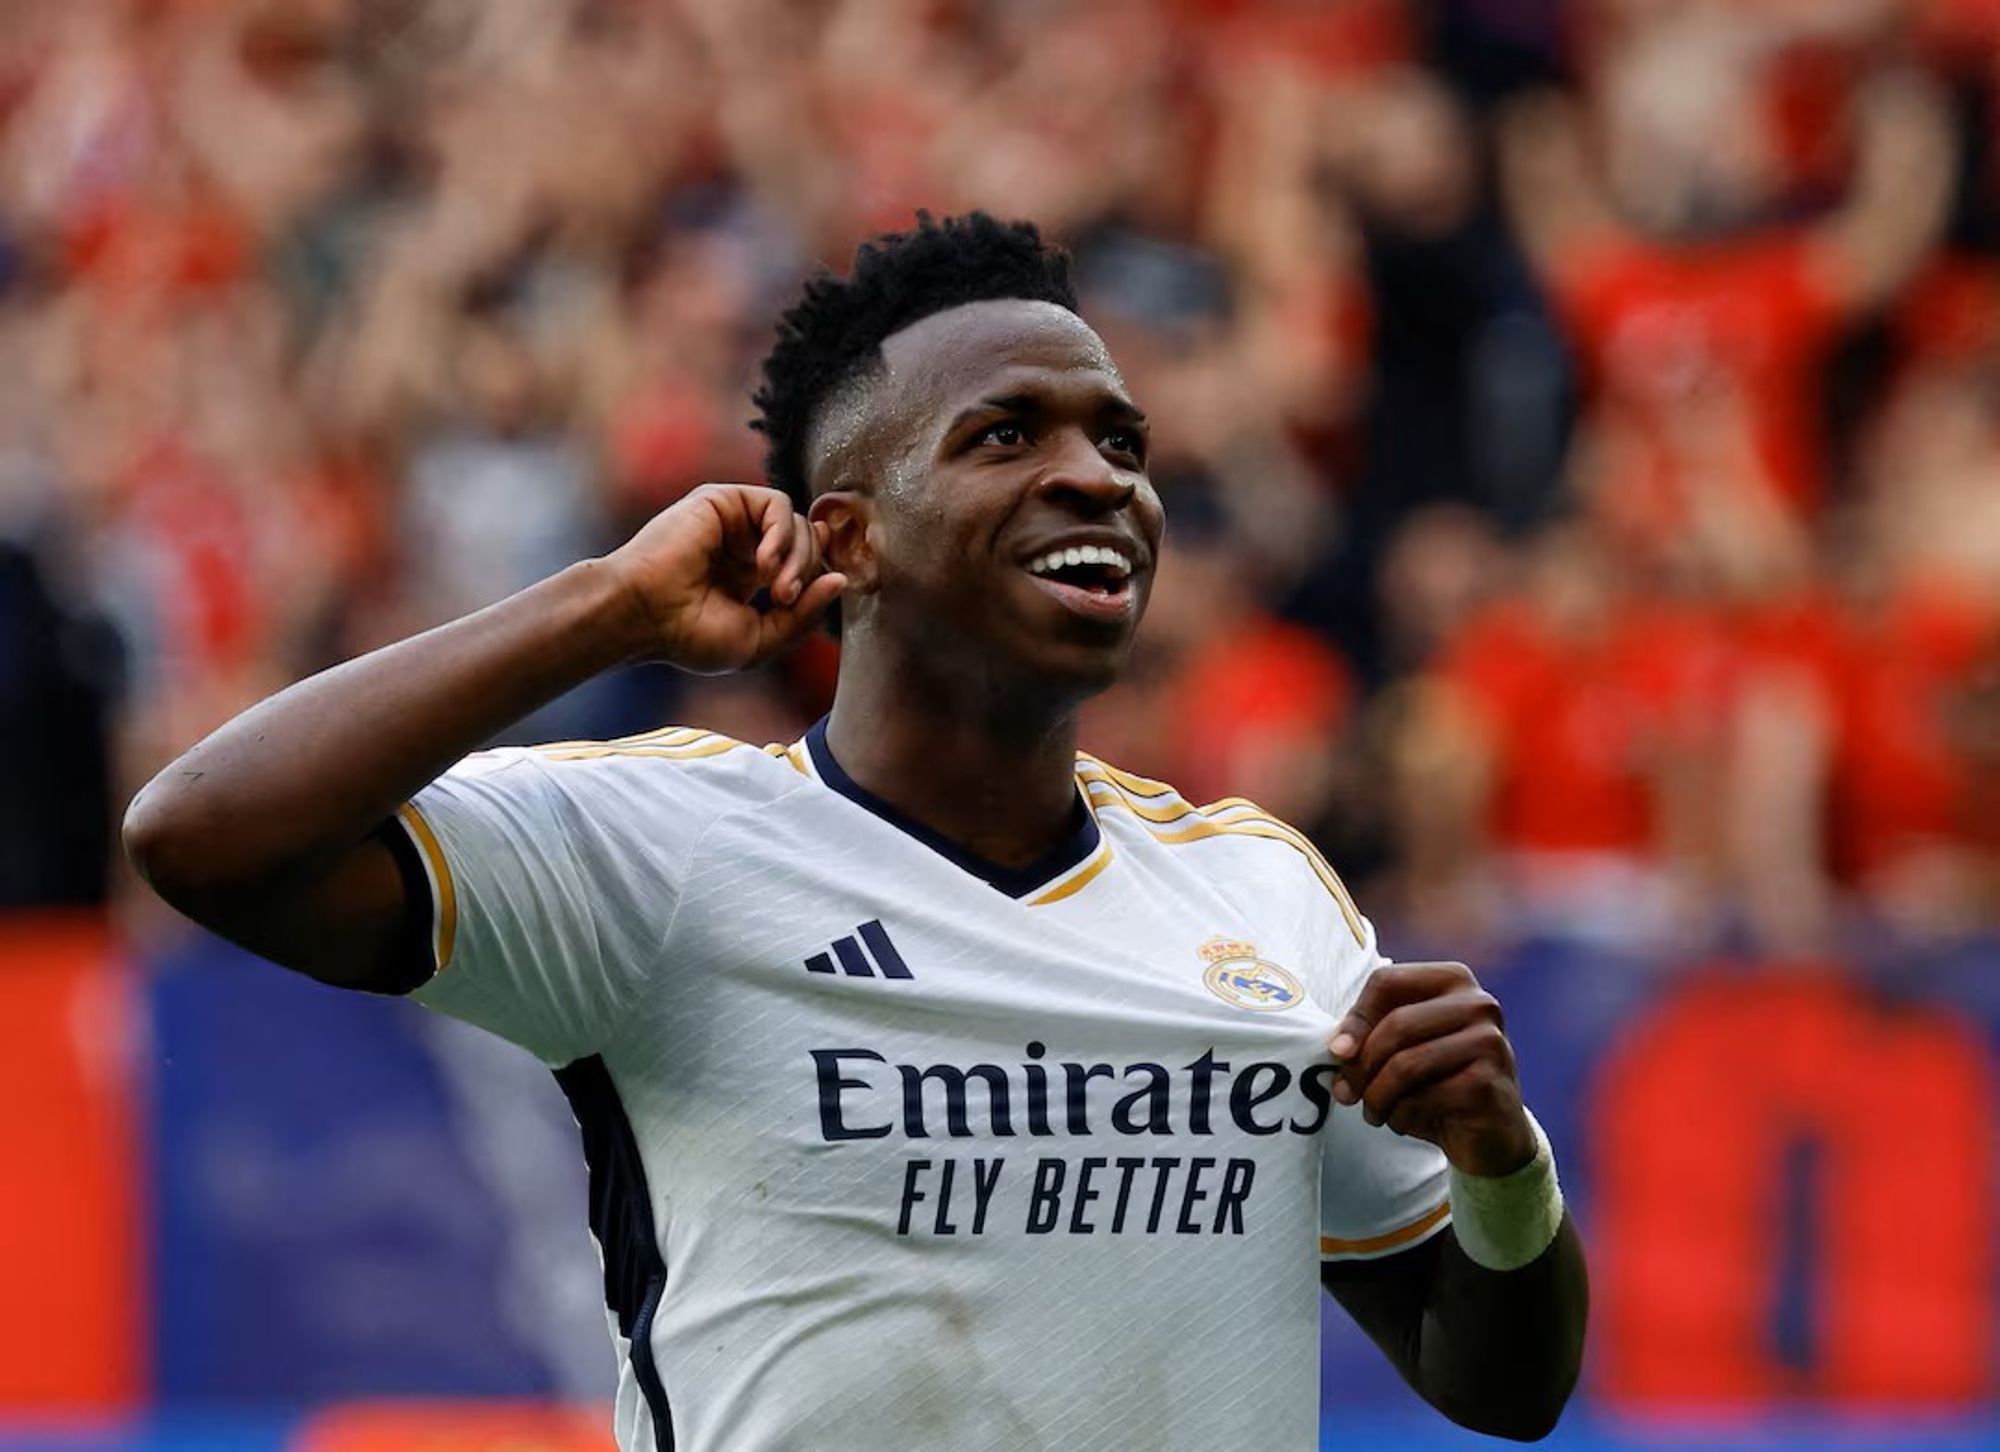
(1000, 781)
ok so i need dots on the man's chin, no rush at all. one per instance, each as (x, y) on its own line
(1036, 652)
(1078, 668)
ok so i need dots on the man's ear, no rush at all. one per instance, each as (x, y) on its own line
(847, 517)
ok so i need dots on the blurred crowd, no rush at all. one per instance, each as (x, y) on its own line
(1579, 422)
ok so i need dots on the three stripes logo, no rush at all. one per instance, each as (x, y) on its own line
(855, 963)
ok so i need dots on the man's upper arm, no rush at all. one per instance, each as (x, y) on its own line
(360, 925)
(1898, 200)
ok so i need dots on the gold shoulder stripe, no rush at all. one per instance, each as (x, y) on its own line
(1178, 812)
(1138, 786)
(1375, 1244)
(796, 755)
(444, 933)
(1306, 845)
(707, 745)
(1249, 819)
(1277, 831)
(664, 736)
(1230, 804)
(1232, 816)
(1082, 879)
(775, 749)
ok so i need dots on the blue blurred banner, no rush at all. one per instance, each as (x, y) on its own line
(1426, 1433)
(323, 1228)
(174, 1434)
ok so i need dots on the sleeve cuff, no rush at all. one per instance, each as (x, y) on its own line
(437, 873)
(1389, 1242)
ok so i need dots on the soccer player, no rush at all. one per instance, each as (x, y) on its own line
(941, 1086)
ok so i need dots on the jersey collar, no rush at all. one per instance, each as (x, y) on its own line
(1016, 882)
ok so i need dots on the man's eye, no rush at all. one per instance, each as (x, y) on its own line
(1126, 441)
(1004, 434)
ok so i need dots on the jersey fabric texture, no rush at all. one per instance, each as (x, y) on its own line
(892, 1149)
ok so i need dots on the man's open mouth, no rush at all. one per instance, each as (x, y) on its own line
(1094, 580)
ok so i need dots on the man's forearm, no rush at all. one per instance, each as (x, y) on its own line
(1486, 1320)
(299, 779)
(1499, 1351)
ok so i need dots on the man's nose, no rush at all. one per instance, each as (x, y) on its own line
(1080, 478)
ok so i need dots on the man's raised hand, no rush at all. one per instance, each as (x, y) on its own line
(1424, 1051)
(694, 569)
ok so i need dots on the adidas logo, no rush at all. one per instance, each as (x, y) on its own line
(854, 962)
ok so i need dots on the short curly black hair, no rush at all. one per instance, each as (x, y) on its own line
(836, 329)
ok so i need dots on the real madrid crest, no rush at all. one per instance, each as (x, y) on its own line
(1237, 975)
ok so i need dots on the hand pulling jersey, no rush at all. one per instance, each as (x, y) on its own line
(892, 1149)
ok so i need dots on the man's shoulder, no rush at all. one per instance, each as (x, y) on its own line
(683, 769)
(1156, 809)
(1247, 839)
(722, 758)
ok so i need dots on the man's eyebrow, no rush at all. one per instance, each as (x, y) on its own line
(1111, 404)
(1002, 403)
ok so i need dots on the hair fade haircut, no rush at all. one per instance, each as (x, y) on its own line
(836, 329)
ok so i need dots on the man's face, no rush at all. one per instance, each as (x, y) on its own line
(1010, 521)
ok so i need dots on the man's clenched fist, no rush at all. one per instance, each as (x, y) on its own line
(1424, 1051)
(693, 571)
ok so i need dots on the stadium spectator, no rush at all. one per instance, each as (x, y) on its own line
(1873, 769)
(1672, 280)
(1568, 726)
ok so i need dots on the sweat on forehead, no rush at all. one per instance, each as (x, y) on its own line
(966, 342)
(939, 359)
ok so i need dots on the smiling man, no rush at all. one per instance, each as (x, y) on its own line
(941, 1086)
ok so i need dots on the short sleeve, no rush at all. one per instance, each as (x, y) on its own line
(542, 900)
(1380, 1192)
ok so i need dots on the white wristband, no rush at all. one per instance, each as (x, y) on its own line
(1502, 1222)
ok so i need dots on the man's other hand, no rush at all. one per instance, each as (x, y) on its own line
(1424, 1051)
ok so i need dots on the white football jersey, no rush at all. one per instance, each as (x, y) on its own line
(892, 1149)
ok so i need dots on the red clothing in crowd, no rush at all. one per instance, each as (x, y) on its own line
(1959, 27)
(1332, 38)
(1951, 312)
(133, 252)
(197, 539)
(1580, 725)
(1659, 327)
(1250, 699)
(1902, 781)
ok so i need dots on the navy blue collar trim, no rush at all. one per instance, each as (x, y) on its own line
(1080, 843)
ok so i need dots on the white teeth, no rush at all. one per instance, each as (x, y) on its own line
(1081, 555)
